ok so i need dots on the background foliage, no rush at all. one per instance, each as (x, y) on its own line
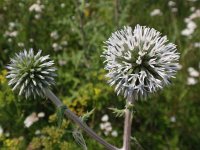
(72, 32)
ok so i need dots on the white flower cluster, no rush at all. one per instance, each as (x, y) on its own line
(12, 31)
(172, 6)
(139, 61)
(31, 74)
(32, 118)
(190, 24)
(156, 12)
(193, 76)
(37, 8)
(107, 127)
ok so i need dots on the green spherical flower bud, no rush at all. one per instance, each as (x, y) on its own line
(31, 74)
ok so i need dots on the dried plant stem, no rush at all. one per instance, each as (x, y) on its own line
(127, 126)
(49, 94)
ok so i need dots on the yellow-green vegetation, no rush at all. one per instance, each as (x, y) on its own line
(72, 32)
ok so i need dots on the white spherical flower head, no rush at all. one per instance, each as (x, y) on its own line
(31, 74)
(139, 61)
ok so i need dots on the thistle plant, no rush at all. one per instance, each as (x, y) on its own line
(138, 62)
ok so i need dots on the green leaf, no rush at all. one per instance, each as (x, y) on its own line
(87, 115)
(60, 114)
(118, 112)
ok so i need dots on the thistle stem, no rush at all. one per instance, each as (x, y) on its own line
(49, 94)
(127, 127)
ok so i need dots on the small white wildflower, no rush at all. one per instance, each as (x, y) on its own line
(41, 115)
(192, 72)
(62, 5)
(54, 35)
(37, 132)
(192, 9)
(36, 7)
(20, 44)
(105, 118)
(156, 12)
(187, 32)
(196, 44)
(191, 81)
(139, 61)
(62, 62)
(37, 16)
(102, 126)
(31, 74)
(191, 25)
(173, 119)
(30, 120)
(114, 133)
(174, 9)
(10, 40)
(11, 25)
(7, 134)
(171, 3)
(56, 47)
(31, 40)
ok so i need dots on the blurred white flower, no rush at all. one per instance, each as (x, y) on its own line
(156, 12)
(7, 134)
(37, 132)
(187, 32)
(105, 118)
(30, 120)
(11, 33)
(192, 9)
(20, 44)
(37, 16)
(31, 40)
(62, 62)
(1, 130)
(10, 40)
(54, 35)
(192, 72)
(56, 47)
(191, 81)
(171, 3)
(11, 25)
(114, 133)
(64, 43)
(174, 9)
(36, 7)
(41, 115)
(173, 119)
(191, 25)
(62, 5)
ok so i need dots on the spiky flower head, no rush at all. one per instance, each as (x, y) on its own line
(139, 61)
(31, 74)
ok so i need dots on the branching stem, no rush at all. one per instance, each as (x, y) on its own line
(49, 94)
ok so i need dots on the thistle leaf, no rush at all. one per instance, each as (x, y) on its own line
(87, 115)
(118, 112)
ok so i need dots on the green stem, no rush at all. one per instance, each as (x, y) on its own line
(49, 94)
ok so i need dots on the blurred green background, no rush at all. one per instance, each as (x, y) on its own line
(73, 32)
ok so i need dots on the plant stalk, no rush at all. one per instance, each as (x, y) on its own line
(49, 94)
(127, 126)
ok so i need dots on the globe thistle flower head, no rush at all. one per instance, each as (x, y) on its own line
(139, 61)
(31, 74)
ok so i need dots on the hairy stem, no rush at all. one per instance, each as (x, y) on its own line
(79, 122)
(127, 126)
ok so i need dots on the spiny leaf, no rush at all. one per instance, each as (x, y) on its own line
(139, 147)
(60, 114)
(87, 115)
(118, 112)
